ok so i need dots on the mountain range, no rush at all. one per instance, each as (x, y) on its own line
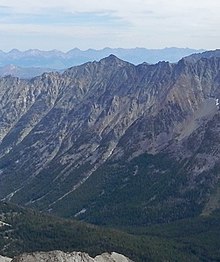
(58, 60)
(132, 147)
(112, 143)
(23, 72)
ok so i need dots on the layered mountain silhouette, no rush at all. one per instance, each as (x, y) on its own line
(56, 59)
(21, 72)
(114, 143)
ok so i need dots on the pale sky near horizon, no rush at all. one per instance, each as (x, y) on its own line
(66, 24)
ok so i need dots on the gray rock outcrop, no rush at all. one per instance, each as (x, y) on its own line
(59, 256)
(5, 259)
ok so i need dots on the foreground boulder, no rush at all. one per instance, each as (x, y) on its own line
(59, 256)
(4, 259)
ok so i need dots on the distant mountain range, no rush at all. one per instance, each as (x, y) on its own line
(22, 72)
(59, 60)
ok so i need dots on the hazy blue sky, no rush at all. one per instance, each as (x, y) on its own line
(65, 24)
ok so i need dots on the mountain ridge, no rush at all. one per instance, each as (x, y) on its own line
(23, 73)
(56, 59)
(99, 124)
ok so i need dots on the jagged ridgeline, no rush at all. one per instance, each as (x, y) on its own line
(113, 143)
(55, 59)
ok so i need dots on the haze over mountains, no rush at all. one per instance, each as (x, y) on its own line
(55, 59)
(22, 72)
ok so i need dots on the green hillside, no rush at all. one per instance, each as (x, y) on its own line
(144, 191)
(187, 240)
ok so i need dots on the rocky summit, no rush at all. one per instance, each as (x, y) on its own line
(114, 143)
(59, 256)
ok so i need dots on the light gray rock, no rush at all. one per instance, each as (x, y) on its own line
(5, 259)
(113, 257)
(59, 256)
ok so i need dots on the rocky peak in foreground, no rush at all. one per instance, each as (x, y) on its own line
(5, 259)
(59, 256)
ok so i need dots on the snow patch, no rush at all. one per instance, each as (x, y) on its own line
(2, 224)
(80, 212)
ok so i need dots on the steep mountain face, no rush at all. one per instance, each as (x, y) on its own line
(60, 256)
(108, 139)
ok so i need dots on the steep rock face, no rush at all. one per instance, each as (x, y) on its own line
(60, 256)
(58, 130)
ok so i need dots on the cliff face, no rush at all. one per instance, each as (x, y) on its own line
(59, 130)
(60, 256)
